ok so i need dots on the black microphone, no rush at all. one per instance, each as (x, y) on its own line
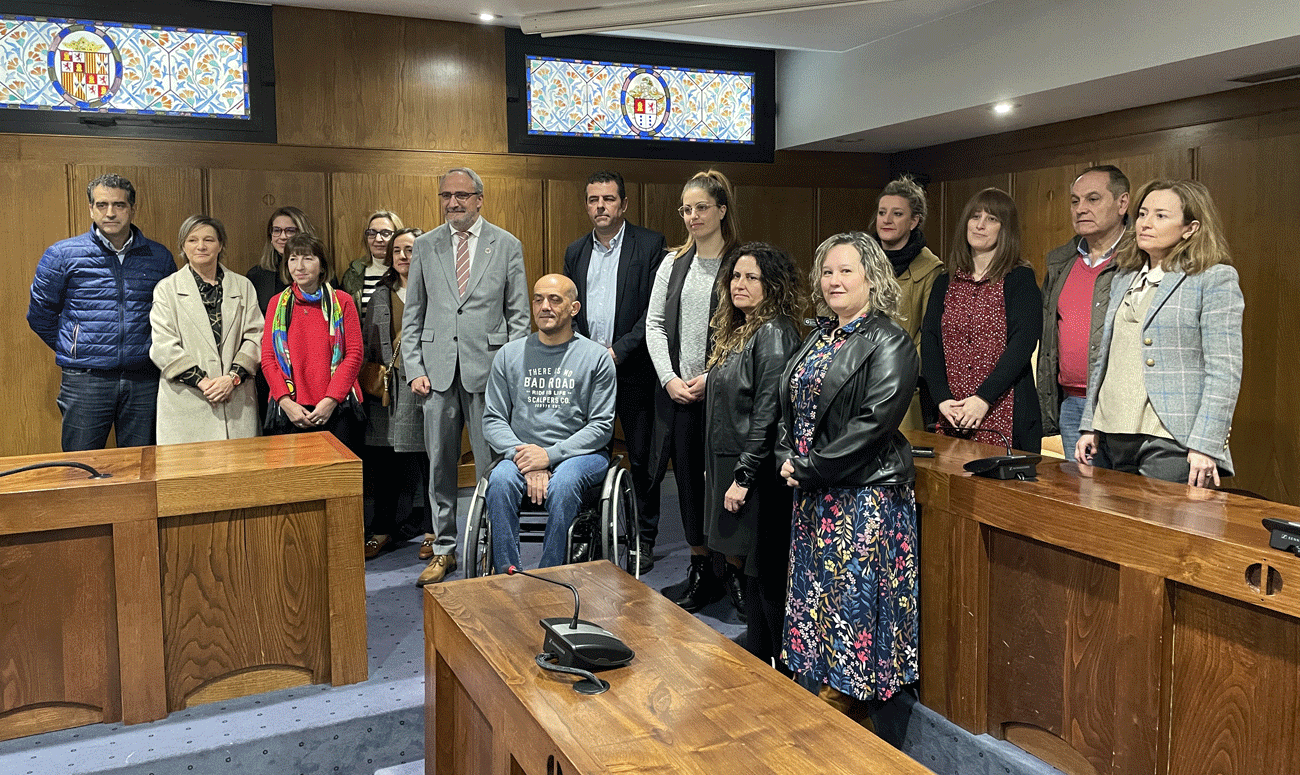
(58, 464)
(578, 644)
(1008, 466)
(512, 570)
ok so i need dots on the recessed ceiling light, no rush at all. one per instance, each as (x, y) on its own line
(1003, 108)
(487, 17)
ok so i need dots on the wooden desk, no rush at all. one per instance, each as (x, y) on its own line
(1106, 622)
(691, 701)
(198, 572)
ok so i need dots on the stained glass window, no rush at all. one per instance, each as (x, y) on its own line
(110, 67)
(579, 98)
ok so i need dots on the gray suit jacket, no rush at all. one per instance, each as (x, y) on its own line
(1192, 333)
(440, 330)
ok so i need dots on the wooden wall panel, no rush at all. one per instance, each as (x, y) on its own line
(1240, 667)
(354, 196)
(164, 198)
(42, 220)
(243, 200)
(660, 211)
(844, 209)
(784, 217)
(1247, 180)
(1043, 202)
(1175, 163)
(388, 82)
(511, 203)
(566, 219)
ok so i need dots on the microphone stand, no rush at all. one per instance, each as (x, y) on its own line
(1008, 466)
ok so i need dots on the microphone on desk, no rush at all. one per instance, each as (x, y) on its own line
(1008, 466)
(576, 646)
(58, 464)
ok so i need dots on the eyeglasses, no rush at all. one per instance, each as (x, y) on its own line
(288, 231)
(699, 209)
(385, 233)
(461, 196)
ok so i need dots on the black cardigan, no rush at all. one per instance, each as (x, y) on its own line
(1015, 369)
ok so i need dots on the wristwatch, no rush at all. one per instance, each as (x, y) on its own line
(234, 377)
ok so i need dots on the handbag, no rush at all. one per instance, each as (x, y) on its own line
(376, 378)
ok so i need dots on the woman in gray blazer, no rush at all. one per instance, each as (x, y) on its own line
(1165, 384)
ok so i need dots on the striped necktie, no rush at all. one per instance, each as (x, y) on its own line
(462, 261)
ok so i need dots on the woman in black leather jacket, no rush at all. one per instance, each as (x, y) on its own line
(746, 507)
(851, 617)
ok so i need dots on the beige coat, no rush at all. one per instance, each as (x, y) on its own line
(182, 339)
(915, 282)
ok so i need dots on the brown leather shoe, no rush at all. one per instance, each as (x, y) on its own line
(439, 567)
(375, 545)
(426, 549)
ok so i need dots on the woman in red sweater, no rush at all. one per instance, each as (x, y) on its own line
(312, 350)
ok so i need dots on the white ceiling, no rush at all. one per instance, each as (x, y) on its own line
(902, 74)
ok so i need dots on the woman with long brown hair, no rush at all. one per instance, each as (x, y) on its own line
(747, 511)
(677, 336)
(981, 328)
(1165, 383)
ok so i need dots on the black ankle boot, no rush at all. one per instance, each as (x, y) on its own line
(702, 586)
(733, 580)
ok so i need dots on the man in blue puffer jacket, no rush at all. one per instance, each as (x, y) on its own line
(90, 303)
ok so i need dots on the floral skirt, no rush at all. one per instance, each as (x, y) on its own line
(851, 615)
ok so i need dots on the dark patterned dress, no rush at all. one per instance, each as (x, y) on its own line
(974, 329)
(851, 616)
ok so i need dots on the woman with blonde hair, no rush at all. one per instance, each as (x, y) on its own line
(677, 336)
(981, 328)
(207, 341)
(270, 277)
(1165, 383)
(851, 613)
(363, 275)
(900, 214)
(747, 511)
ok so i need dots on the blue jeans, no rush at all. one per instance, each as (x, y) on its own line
(1071, 415)
(507, 490)
(93, 401)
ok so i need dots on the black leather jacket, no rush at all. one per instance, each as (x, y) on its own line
(744, 398)
(863, 398)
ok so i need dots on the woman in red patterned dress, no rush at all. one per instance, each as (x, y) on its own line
(981, 328)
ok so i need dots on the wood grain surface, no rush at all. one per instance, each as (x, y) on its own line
(1108, 622)
(251, 580)
(673, 709)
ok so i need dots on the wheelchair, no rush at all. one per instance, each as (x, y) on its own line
(608, 512)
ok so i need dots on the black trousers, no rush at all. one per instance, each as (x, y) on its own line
(397, 497)
(688, 453)
(636, 414)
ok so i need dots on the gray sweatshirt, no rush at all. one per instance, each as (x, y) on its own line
(559, 397)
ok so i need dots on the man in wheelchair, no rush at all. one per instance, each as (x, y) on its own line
(549, 420)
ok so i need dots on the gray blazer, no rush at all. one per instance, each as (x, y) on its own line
(440, 330)
(1192, 333)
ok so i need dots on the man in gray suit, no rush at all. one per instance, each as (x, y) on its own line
(466, 297)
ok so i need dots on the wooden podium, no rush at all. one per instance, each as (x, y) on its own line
(195, 573)
(1108, 623)
(690, 702)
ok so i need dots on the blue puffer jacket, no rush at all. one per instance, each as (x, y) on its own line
(93, 310)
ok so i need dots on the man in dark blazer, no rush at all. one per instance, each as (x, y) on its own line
(467, 295)
(614, 267)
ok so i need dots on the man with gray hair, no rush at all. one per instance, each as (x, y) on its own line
(467, 296)
(1076, 291)
(90, 303)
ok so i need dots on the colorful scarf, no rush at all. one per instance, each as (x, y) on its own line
(333, 312)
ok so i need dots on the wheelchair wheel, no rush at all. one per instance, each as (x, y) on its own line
(477, 550)
(618, 521)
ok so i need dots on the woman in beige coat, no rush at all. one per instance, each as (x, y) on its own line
(207, 341)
